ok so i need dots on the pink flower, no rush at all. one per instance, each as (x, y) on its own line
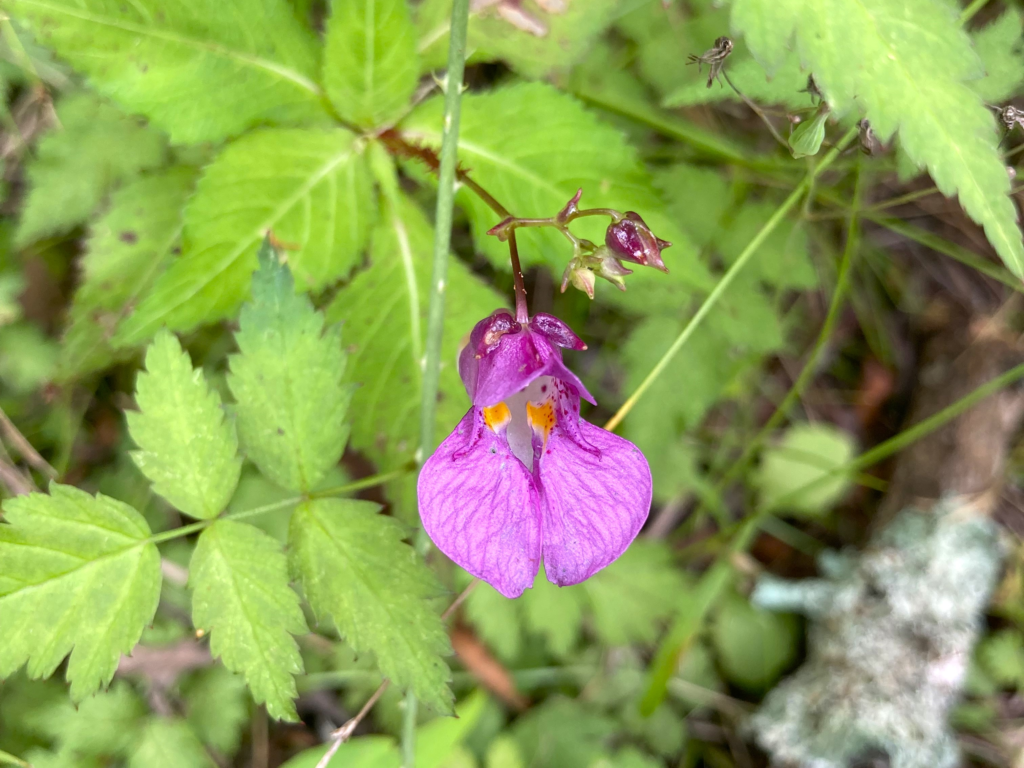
(522, 477)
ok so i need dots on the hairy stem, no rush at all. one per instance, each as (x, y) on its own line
(446, 176)
(787, 205)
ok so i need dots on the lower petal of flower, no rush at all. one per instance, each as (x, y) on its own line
(595, 496)
(479, 504)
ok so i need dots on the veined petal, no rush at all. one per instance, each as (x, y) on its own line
(595, 490)
(479, 504)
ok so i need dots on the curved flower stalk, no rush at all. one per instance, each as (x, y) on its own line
(522, 477)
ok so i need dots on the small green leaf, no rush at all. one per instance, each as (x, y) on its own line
(79, 577)
(239, 579)
(806, 138)
(94, 148)
(1002, 656)
(635, 594)
(201, 75)
(287, 381)
(216, 707)
(555, 613)
(355, 569)
(496, 620)
(128, 248)
(370, 62)
(310, 188)
(503, 752)
(188, 449)
(754, 646)
(805, 455)
(438, 739)
(999, 46)
(105, 724)
(169, 743)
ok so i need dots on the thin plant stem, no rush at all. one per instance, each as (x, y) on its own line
(970, 10)
(811, 365)
(356, 485)
(757, 111)
(447, 172)
(787, 205)
(24, 447)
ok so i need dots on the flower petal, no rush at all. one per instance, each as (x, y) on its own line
(479, 504)
(595, 496)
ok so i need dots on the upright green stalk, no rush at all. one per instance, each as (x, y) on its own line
(438, 278)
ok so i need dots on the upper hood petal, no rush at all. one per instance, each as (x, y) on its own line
(503, 357)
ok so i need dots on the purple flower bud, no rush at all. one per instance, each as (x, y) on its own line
(570, 207)
(523, 478)
(631, 239)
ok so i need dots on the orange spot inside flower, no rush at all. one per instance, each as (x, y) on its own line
(541, 418)
(497, 416)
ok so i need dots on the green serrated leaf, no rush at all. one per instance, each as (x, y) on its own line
(216, 707)
(384, 311)
(108, 723)
(906, 65)
(188, 449)
(370, 61)
(310, 188)
(355, 569)
(169, 743)
(235, 64)
(128, 247)
(635, 594)
(239, 579)
(555, 613)
(753, 646)
(806, 453)
(557, 147)
(496, 620)
(999, 46)
(79, 577)
(287, 382)
(94, 148)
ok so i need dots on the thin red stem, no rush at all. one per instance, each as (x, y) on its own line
(522, 312)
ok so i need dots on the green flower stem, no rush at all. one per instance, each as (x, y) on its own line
(435, 314)
(787, 205)
(970, 10)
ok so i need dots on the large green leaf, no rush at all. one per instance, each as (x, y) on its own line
(128, 247)
(239, 579)
(188, 449)
(287, 382)
(556, 148)
(200, 72)
(370, 61)
(78, 577)
(355, 569)
(169, 743)
(310, 188)
(906, 65)
(94, 148)
(384, 314)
